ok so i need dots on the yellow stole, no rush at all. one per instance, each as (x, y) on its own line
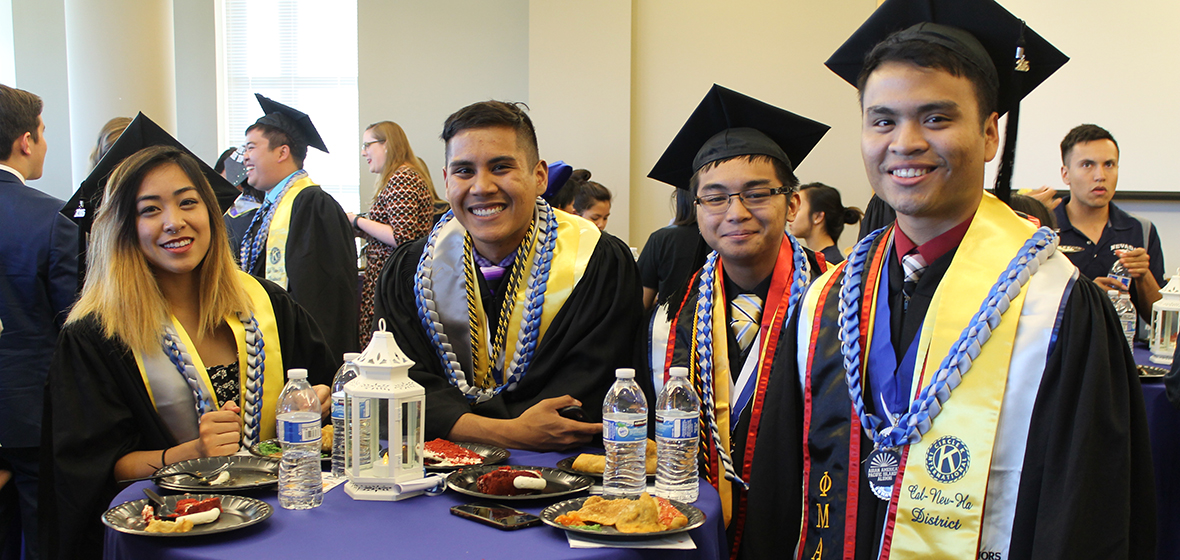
(941, 493)
(273, 375)
(576, 239)
(276, 239)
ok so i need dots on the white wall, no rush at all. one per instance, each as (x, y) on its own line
(194, 22)
(39, 39)
(421, 61)
(580, 93)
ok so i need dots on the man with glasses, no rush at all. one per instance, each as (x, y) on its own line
(736, 155)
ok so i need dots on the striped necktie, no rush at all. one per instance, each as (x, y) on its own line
(912, 266)
(745, 312)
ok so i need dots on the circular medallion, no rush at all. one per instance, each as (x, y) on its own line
(275, 255)
(948, 459)
(881, 471)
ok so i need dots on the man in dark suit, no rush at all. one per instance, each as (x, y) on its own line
(38, 282)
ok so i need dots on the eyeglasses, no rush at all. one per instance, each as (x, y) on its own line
(751, 198)
(365, 145)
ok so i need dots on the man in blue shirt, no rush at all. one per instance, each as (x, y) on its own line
(1094, 232)
(39, 260)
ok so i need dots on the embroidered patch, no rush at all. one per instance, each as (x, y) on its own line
(948, 459)
(1121, 247)
(1069, 249)
(275, 255)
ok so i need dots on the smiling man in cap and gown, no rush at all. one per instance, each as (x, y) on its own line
(510, 309)
(300, 237)
(963, 393)
(737, 156)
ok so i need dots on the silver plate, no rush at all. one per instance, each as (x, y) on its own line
(557, 483)
(236, 512)
(325, 458)
(567, 465)
(245, 473)
(696, 518)
(492, 455)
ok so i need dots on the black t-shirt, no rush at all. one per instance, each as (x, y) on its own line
(670, 255)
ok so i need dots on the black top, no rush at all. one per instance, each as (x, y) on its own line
(832, 255)
(670, 255)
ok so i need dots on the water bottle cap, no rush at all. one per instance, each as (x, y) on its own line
(678, 372)
(351, 356)
(297, 373)
(625, 373)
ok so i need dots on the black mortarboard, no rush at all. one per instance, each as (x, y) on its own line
(141, 133)
(728, 124)
(982, 32)
(294, 122)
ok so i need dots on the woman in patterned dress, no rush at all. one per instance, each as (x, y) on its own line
(401, 211)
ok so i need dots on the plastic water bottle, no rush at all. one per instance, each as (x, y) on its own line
(1120, 274)
(678, 419)
(1127, 315)
(300, 484)
(624, 433)
(346, 373)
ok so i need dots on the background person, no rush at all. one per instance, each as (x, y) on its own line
(821, 220)
(38, 282)
(163, 276)
(592, 201)
(672, 252)
(402, 208)
(106, 138)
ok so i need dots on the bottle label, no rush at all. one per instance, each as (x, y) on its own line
(338, 406)
(678, 428)
(299, 432)
(1122, 279)
(624, 431)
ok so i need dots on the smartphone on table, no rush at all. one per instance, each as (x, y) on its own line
(496, 515)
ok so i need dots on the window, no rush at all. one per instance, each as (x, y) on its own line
(302, 53)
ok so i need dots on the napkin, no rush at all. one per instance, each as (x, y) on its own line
(679, 541)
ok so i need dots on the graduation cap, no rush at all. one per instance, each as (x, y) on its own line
(728, 124)
(982, 32)
(141, 133)
(294, 122)
(559, 173)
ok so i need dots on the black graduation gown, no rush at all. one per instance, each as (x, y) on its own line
(97, 410)
(321, 265)
(680, 357)
(594, 333)
(1087, 487)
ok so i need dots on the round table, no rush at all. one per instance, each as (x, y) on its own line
(420, 527)
(1163, 426)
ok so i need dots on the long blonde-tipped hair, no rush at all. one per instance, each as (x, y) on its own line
(121, 289)
(397, 153)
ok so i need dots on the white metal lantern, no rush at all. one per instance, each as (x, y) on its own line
(384, 395)
(1165, 322)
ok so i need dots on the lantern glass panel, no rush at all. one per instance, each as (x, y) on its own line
(410, 457)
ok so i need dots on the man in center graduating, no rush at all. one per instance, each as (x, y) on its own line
(737, 156)
(511, 310)
(958, 391)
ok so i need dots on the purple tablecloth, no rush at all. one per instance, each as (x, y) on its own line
(420, 527)
(1163, 423)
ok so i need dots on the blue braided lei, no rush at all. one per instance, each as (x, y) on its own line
(255, 375)
(526, 342)
(917, 421)
(704, 341)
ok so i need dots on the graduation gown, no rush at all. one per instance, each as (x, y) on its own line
(321, 265)
(97, 410)
(741, 449)
(1085, 482)
(593, 333)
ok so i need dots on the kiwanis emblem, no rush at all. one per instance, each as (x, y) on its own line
(275, 255)
(948, 459)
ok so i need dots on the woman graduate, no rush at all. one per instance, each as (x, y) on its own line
(171, 353)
